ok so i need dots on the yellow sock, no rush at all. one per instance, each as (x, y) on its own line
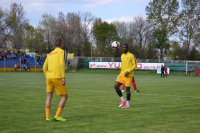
(58, 112)
(47, 113)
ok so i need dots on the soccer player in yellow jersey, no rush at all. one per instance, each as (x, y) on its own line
(129, 63)
(54, 71)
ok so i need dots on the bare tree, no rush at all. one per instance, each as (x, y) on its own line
(84, 44)
(142, 33)
(122, 31)
(47, 25)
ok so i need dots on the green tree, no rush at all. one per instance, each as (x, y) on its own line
(35, 40)
(189, 24)
(161, 41)
(4, 29)
(104, 34)
(163, 13)
(194, 54)
(30, 37)
(17, 24)
(175, 50)
(151, 52)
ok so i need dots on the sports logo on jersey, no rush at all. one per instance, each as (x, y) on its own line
(127, 58)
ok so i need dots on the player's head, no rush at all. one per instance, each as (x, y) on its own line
(58, 43)
(125, 48)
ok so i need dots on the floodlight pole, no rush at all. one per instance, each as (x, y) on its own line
(91, 52)
(35, 65)
(4, 64)
(186, 68)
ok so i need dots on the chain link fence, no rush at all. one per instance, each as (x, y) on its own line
(34, 62)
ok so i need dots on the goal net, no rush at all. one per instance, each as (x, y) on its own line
(190, 67)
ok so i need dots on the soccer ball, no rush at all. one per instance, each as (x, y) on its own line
(115, 44)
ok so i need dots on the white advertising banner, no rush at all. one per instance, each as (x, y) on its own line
(108, 65)
(149, 66)
(113, 65)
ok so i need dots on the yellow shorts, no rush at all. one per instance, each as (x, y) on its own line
(56, 84)
(125, 80)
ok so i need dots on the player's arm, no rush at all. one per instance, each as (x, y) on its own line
(134, 62)
(62, 66)
(62, 63)
(120, 68)
(45, 66)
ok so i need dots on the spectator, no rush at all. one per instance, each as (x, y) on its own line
(15, 67)
(26, 56)
(162, 71)
(8, 56)
(69, 67)
(24, 60)
(197, 70)
(27, 66)
(23, 66)
(14, 56)
(38, 60)
(188, 70)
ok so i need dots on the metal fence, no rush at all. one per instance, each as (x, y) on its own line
(118, 59)
(35, 65)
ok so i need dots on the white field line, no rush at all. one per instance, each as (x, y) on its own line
(103, 91)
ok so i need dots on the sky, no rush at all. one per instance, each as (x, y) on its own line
(107, 10)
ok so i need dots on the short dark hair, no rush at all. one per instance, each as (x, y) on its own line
(58, 42)
(126, 45)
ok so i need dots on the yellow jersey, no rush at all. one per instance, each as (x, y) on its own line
(54, 65)
(129, 63)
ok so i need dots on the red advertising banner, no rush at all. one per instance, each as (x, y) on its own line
(113, 65)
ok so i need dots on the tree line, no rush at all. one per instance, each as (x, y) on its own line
(170, 29)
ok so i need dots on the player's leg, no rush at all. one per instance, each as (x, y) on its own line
(134, 86)
(123, 88)
(48, 105)
(128, 94)
(61, 105)
(161, 74)
(50, 89)
(62, 91)
(116, 86)
(128, 81)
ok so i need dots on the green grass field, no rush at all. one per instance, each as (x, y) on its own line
(170, 105)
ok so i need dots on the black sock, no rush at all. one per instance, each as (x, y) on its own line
(119, 93)
(128, 97)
